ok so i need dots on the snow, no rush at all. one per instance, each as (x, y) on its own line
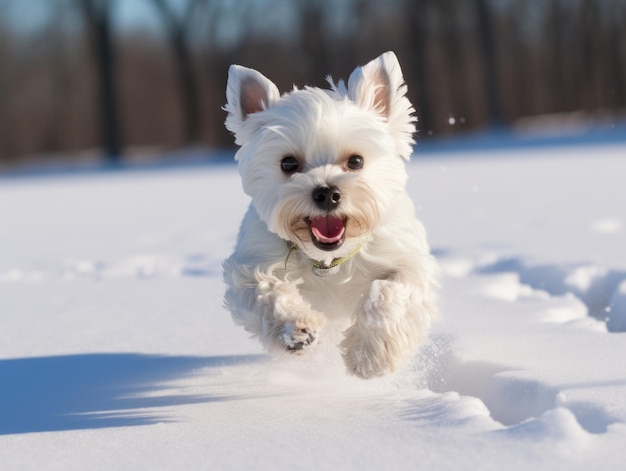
(116, 352)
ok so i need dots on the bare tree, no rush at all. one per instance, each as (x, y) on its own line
(178, 28)
(60, 80)
(216, 60)
(486, 41)
(456, 59)
(617, 53)
(98, 15)
(6, 145)
(554, 35)
(313, 36)
(417, 18)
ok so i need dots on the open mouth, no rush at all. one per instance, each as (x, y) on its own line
(327, 232)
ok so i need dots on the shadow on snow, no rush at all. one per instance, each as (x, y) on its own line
(96, 390)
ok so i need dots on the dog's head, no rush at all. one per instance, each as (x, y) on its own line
(323, 167)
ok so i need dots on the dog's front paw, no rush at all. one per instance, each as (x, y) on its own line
(367, 351)
(366, 362)
(296, 338)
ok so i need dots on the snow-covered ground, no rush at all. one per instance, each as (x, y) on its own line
(116, 353)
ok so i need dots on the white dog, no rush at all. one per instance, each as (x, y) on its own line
(331, 233)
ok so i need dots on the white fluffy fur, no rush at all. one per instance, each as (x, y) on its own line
(384, 295)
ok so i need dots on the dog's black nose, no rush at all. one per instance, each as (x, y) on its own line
(326, 197)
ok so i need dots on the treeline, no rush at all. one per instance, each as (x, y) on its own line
(82, 82)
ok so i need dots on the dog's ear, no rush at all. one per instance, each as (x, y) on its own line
(247, 92)
(379, 86)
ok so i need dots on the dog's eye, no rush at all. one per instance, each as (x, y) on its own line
(289, 164)
(355, 162)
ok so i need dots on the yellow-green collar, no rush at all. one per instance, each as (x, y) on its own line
(321, 269)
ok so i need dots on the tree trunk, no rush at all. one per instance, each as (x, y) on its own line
(485, 38)
(176, 31)
(313, 40)
(417, 13)
(98, 14)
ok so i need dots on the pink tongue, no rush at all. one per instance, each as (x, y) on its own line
(327, 229)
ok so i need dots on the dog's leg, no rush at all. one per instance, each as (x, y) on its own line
(291, 323)
(272, 309)
(393, 320)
